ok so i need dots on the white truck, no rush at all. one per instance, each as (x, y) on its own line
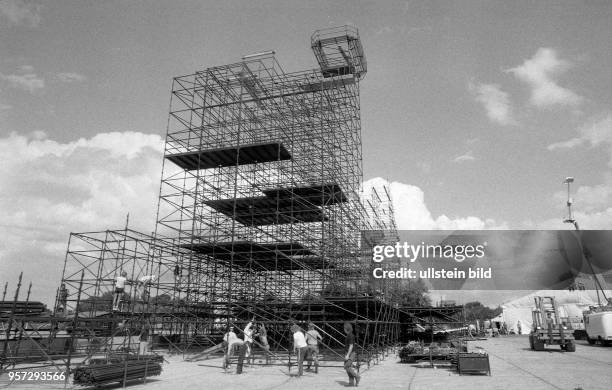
(598, 326)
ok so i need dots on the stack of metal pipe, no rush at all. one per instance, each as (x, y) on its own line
(117, 372)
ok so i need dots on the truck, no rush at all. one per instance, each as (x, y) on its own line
(598, 327)
(548, 328)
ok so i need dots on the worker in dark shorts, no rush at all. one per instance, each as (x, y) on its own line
(349, 355)
(312, 339)
(299, 347)
(120, 283)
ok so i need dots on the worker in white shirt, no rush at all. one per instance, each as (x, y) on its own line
(143, 283)
(248, 339)
(120, 282)
(299, 347)
(231, 341)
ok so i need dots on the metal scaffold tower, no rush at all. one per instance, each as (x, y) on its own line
(261, 211)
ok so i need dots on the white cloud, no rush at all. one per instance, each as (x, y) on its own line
(71, 77)
(588, 198)
(21, 12)
(597, 132)
(570, 143)
(28, 81)
(469, 156)
(539, 72)
(411, 212)
(50, 189)
(495, 101)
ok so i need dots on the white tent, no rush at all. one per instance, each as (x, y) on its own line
(570, 304)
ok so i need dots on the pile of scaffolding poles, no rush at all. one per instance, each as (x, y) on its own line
(22, 307)
(118, 372)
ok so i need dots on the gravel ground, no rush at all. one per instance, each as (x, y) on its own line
(513, 366)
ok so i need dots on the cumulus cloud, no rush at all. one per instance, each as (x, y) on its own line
(21, 12)
(596, 132)
(540, 73)
(411, 212)
(51, 188)
(71, 77)
(495, 101)
(26, 80)
(592, 203)
(570, 143)
(469, 156)
(589, 198)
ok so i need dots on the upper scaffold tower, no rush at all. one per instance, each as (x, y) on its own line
(339, 52)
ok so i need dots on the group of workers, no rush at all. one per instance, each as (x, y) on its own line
(307, 343)
(233, 344)
(305, 346)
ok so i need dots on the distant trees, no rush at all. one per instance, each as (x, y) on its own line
(477, 311)
(102, 302)
(412, 294)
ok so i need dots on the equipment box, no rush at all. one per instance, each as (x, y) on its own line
(473, 363)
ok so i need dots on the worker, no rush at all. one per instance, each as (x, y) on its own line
(230, 341)
(300, 348)
(178, 273)
(518, 327)
(119, 289)
(248, 339)
(495, 330)
(550, 324)
(312, 339)
(143, 283)
(144, 340)
(472, 330)
(63, 297)
(349, 357)
(262, 333)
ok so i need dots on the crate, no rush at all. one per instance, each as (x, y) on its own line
(473, 363)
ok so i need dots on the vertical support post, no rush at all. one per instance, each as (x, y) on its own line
(75, 322)
(18, 343)
(10, 321)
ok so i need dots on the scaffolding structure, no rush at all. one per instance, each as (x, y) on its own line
(261, 213)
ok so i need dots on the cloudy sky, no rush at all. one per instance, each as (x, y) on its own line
(474, 111)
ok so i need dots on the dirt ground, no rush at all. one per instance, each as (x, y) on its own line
(513, 366)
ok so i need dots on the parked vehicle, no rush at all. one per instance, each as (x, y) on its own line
(598, 326)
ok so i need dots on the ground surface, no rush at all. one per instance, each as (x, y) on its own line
(513, 366)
